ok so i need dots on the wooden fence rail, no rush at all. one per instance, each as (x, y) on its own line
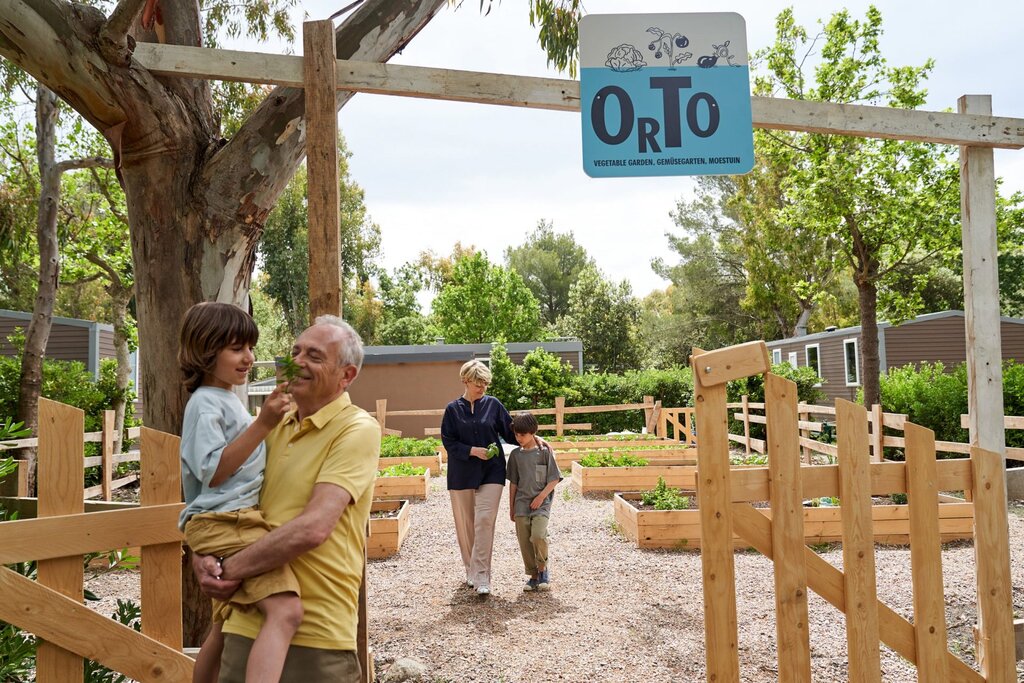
(51, 607)
(16, 484)
(878, 439)
(651, 409)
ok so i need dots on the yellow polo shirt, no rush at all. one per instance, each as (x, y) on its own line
(339, 444)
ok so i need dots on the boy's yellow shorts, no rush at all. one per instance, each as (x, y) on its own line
(225, 533)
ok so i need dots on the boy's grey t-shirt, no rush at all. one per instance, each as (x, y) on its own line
(213, 419)
(531, 469)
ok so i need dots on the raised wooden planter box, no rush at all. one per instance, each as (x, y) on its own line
(431, 462)
(611, 443)
(387, 533)
(397, 488)
(667, 456)
(682, 475)
(680, 529)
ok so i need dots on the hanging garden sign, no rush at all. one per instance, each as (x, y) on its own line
(665, 94)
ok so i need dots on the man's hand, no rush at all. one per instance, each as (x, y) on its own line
(208, 570)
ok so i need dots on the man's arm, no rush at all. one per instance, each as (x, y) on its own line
(280, 546)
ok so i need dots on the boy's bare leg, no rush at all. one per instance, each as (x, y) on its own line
(207, 667)
(282, 616)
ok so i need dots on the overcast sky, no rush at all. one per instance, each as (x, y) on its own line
(440, 172)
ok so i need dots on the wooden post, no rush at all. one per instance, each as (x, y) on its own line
(559, 415)
(862, 628)
(713, 495)
(805, 433)
(648, 409)
(745, 403)
(992, 559)
(877, 433)
(981, 314)
(61, 492)
(160, 484)
(786, 491)
(107, 455)
(319, 79)
(382, 414)
(652, 420)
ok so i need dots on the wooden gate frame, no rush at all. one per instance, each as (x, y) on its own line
(725, 508)
(51, 607)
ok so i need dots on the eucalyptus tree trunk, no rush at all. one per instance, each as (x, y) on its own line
(38, 332)
(196, 203)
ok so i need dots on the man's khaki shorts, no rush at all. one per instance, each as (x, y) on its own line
(225, 533)
(303, 664)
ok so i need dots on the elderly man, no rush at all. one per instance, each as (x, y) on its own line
(317, 490)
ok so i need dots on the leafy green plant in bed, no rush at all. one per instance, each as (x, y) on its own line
(402, 470)
(609, 459)
(664, 497)
(395, 446)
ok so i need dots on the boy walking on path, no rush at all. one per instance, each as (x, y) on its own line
(532, 474)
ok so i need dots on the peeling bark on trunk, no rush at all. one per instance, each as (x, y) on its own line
(38, 332)
(196, 204)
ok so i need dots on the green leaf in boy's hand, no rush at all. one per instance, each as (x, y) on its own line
(287, 368)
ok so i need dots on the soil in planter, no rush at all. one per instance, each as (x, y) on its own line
(385, 514)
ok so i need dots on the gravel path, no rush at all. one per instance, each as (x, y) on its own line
(614, 613)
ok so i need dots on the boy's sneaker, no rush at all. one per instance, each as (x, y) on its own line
(543, 581)
(531, 585)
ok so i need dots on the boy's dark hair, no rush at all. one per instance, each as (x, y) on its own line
(207, 328)
(524, 423)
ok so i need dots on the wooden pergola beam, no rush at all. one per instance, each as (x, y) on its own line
(564, 95)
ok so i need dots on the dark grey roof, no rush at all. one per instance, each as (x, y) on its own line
(852, 331)
(436, 353)
(57, 320)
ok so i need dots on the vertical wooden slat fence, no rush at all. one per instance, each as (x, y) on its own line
(858, 543)
(51, 607)
(791, 622)
(59, 478)
(869, 621)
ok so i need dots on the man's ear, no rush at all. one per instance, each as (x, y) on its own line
(348, 374)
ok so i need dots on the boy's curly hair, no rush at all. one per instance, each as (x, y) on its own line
(207, 328)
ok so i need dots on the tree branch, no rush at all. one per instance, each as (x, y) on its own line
(116, 45)
(105, 191)
(85, 162)
(272, 137)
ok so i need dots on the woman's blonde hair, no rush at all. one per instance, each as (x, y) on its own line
(475, 371)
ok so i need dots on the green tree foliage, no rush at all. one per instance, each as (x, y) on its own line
(68, 382)
(549, 263)
(544, 376)
(704, 305)
(284, 251)
(929, 396)
(412, 329)
(506, 380)
(275, 336)
(605, 316)
(883, 204)
(483, 302)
